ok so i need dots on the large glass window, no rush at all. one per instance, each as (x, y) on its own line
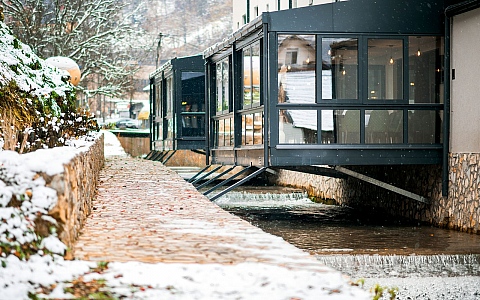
(158, 117)
(425, 126)
(296, 68)
(222, 95)
(348, 126)
(224, 133)
(252, 129)
(297, 126)
(383, 126)
(169, 95)
(385, 69)
(327, 127)
(425, 69)
(340, 68)
(193, 111)
(251, 75)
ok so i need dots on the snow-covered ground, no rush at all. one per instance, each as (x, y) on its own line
(19, 277)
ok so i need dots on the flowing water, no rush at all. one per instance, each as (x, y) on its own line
(427, 262)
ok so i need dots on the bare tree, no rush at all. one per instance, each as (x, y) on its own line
(100, 35)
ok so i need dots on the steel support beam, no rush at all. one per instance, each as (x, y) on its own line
(216, 177)
(254, 174)
(204, 176)
(383, 185)
(198, 174)
(227, 181)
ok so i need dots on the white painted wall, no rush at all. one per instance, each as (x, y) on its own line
(465, 89)
(240, 8)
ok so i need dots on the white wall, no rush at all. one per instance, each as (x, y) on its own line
(465, 88)
(240, 8)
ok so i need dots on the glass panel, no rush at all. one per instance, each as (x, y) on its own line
(327, 127)
(193, 91)
(385, 69)
(255, 74)
(297, 126)
(220, 91)
(383, 127)
(296, 68)
(247, 78)
(228, 132)
(258, 129)
(340, 68)
(169, 95)
(216, 134)
(348, 126)
(225, 87)
(170, 128)
(425, 127)
(244, 124)
(248, 129)
(221, 133)
(193, 125)
(425, 69)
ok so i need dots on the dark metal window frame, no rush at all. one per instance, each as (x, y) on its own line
(362, 104)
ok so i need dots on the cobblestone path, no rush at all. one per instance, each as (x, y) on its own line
(146, 212)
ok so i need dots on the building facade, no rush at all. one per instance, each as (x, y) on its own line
(411, 63)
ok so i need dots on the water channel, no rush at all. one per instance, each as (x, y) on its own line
(424, 262)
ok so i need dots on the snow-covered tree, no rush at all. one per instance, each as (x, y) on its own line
(100, 35)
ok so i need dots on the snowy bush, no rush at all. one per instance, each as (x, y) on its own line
(37, 107)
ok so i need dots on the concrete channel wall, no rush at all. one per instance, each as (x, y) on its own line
(459, 211)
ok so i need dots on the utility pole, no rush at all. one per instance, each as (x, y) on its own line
(159, 47)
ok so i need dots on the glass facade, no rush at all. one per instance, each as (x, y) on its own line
(296, 68)
(425, 69)
(252, 129)
(251, 76)
(222, 84)
(344, 105)
(193, 104)
(224, 133)
(340, 68)
(297, 126)
(385, 69)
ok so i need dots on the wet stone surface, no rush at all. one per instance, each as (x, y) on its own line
(148, 213)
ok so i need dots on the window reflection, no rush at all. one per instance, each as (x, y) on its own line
(297, 126)
(251, 76)
(222, 93)
(340, 68)
(327, 127)
(425, 69)
(385, 69)
(425, 126)
(383, 126)
(223, 133)
(348, 126)
(296, 68)
(252, 129)
(169, 94)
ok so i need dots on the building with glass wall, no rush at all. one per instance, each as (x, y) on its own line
(177, 103)
(346, 83)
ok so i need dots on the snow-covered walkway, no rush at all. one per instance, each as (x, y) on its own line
(148, 220)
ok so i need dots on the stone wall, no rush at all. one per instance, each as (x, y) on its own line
(460, 210)
(464, 192)
(76, 188)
